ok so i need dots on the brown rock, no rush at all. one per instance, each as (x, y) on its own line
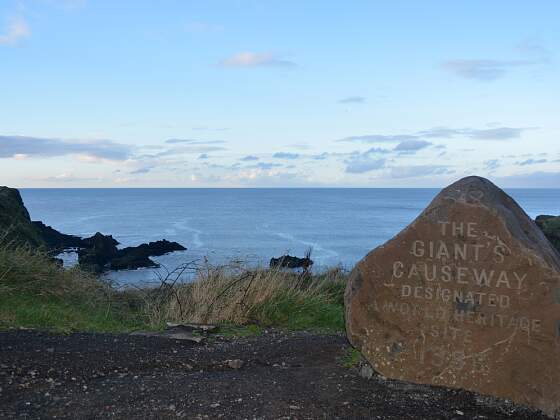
(235, 364)
(466, 296)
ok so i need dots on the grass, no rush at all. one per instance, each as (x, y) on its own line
(295, 311)
(352, 358)
(64, 315)
(263, 297)
(37, 293)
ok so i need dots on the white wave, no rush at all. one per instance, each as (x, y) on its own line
(195, 239)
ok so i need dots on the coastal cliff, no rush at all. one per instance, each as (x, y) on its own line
(96, 254)
(15, 224)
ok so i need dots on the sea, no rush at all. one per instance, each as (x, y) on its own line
(250, 226)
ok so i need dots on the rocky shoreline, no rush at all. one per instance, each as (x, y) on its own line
(100, 252)
(96, 254)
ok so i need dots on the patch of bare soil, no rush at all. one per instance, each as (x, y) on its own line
(274, 376)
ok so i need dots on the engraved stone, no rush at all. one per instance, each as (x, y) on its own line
(466, 296)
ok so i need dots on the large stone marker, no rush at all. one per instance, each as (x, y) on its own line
(466, 296)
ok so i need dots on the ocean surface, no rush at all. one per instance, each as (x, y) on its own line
(253, 225)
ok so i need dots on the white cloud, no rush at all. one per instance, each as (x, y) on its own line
(194, 141)
(380, 138)
(16, 30)
(144, 170)
(495, 133)
(492, 165)
(249, 158)
(419, 171)
(38, 147)
(531, 162)
(65, 177)
(265, 165)
(529, 180)
(285, 155)
(252, 59)
(364, 164)
(412, 145)
(352, 100)
(484, 70)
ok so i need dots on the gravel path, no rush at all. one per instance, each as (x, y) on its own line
(276, 375)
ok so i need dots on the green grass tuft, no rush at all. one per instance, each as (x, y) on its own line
(65, 315)
(301, 312)
(352, 358)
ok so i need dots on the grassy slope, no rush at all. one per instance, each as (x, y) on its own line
(63, 315)
(36, 293)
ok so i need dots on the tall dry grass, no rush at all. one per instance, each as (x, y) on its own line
(29, 270)
(240, 295)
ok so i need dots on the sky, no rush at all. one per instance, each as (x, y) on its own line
(263, 93)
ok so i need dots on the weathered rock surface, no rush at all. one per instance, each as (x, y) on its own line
(467, 296)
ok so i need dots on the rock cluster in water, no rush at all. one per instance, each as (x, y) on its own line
(101, 253)
(466, 296)
(97, 253)
(288, 261)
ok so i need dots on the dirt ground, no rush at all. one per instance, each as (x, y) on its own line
(280, 376)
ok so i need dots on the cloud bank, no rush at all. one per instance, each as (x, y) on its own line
(36, 147)
(494, 133)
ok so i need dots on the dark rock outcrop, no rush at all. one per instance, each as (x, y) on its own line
(287, 261)
(550, 225)
(98, 252)
(15, 224)
(56, 240)
(138, 256)
(101, 253)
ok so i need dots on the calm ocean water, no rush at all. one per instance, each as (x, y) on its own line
(341, 225)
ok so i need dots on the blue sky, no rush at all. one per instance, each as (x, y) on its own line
(240, 93)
